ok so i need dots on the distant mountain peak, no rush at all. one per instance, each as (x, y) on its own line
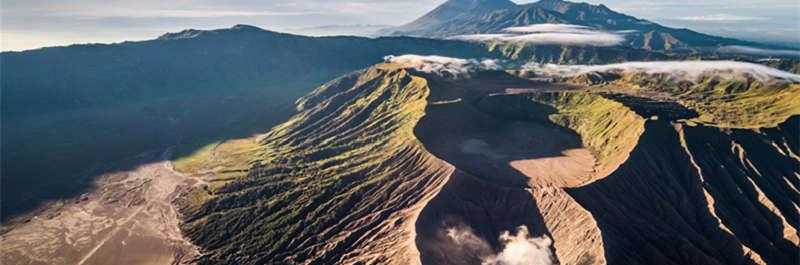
(470, 17)
(550, 2)
(183, 34)
(194, 33)
(451, 11)
(563, 7)
(473, 4)
(243, 27)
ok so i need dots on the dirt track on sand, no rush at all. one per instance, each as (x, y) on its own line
(128, 218)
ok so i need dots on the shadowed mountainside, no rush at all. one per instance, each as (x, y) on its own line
(70, 113)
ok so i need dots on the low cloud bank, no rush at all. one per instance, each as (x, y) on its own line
(736, 49)
(443, 66)
(560, 34)
(518, 248)
(548, 27)
(685, 70)
(720, 18)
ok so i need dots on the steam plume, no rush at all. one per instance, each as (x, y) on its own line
(520, 249)
(517, 249)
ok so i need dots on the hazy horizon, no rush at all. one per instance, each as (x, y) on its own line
(44, 23)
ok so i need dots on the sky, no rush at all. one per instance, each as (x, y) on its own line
(28, 24)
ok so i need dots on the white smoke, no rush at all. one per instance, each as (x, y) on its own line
(560, 34)
(442, 66)
(736, 49)
(518, 249)
(683, 70)
(465, 238)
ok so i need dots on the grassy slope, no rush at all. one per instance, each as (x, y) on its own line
(558, 54)
(607, 128)
(731, 102)
(320, 190)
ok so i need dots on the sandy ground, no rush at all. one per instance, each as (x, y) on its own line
(535, 151)
(128, 218)
(502, 150)
(510, 172)
(512, 152)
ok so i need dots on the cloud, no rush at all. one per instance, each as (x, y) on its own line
(685, 70)
(443, 66)
(547, 34)
(628, 31)
(520, 249)
(517, 249)
(757, 51)
(341, 30)
(597, 39)
(537, 28)
(720, 18)
(481, 37)
(182, 13)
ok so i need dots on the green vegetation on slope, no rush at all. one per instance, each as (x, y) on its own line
(737, 101)
(558, 54)
(320, 189)
(223, 160)
(607, 128)
(736, 104)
